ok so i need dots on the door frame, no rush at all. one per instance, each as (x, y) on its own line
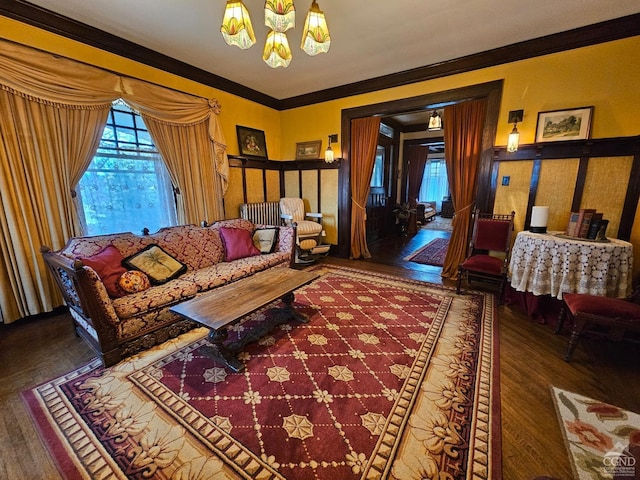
(485, 193)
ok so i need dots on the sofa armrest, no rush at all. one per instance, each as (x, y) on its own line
(86, 295)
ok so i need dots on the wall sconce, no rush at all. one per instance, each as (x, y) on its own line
(515, 116)
(435, 121)
(328, 153)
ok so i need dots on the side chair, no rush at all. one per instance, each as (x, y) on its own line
(616, 315)
(488, 253)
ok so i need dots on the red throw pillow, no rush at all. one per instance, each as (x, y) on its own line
(108, 266)
(237, 243)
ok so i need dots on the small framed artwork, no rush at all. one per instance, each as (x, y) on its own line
(563, 125)
(308, 150)
(251, 142)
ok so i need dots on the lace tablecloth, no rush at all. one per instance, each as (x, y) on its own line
(547, 264)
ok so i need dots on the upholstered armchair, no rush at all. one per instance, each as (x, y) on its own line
(309, 232)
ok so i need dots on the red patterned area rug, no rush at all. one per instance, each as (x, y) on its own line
(390, 379)
(433, 253)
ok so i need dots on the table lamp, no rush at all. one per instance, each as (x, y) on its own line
(539, 219)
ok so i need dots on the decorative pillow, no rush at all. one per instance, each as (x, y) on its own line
(237, 243)
(133, 281)
(107, 264)
(265, 239)
(159, 266)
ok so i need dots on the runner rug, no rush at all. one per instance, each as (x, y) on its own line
(433, 253)
(603, 440)
(391, 378)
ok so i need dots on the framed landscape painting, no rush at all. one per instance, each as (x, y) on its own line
(251, 142)
(308, 150)
(563, 125)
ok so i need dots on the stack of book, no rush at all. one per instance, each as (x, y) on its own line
(586, 223)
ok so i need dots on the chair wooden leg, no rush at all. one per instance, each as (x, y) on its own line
(501, 292)
(561, 317)
(578, 327)
(459, 284)
(573, 343)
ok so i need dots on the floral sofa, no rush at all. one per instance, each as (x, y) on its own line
(120, 311)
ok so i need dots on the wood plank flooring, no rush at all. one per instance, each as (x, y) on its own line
(35, 350)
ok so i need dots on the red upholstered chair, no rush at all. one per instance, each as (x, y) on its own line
(488, 254)
(617, 315)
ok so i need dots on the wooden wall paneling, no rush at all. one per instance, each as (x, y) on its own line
(585, 151)
(533, 191)
(579, 188)
(556, 185)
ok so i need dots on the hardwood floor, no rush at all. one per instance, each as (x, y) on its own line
(35, 350)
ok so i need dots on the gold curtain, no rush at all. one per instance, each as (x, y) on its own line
(188, 154)
(364, 142)
(52, 114)
(45, 149)
(463, 147)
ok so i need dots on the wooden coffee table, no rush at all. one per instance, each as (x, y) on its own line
(226, 305)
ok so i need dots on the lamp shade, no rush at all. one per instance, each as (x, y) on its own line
(279, 15)
(514, 140)
(328, 155)
(539, 219)
(236, 25)
(276, 50)
(435, 121)
(315, 35)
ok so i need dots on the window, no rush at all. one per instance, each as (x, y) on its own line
(127, 186)
(435, 184)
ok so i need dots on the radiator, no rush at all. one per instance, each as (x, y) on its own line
(265, 213)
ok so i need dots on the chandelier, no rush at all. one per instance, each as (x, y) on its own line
(279, 16)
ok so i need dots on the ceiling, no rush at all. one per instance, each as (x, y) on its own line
(369, 38)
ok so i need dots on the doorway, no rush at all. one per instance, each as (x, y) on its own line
(491, 91)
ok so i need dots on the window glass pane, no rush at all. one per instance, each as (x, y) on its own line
(126, 136)
(127, 186)
(386, 130)
(123, 118)
(377, 178)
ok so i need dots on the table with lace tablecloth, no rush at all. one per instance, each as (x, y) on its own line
(553, 264)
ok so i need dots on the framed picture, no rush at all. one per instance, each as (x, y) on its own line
(251, 142)
(563, 125)
(308, 150)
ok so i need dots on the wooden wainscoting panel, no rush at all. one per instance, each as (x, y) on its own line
(555, 189)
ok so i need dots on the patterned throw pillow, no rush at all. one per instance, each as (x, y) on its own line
(159, 266)
(133, 281)
(265, 239)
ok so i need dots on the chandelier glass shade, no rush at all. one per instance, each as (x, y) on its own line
(279, 15)
(315, 35)
(236, 25)
(276, 50)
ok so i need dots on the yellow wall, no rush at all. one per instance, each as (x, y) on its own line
(604, 76)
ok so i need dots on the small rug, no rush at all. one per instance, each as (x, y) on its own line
(598, 436)
(390, 379)
(433, 253)
(439, 223)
